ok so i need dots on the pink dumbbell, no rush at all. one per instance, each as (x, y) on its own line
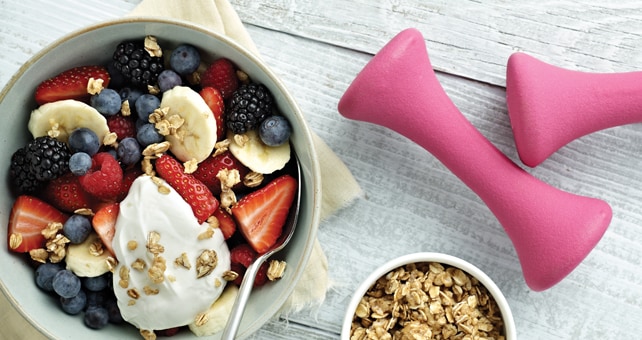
(551, 230)
(550, 106)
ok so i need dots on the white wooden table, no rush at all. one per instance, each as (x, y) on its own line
(413, 203)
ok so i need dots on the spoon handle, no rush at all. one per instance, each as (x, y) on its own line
(232, 326)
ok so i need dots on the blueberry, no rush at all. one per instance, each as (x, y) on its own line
(168, 79)
(146, 104)
(45, 274)
(147, 134)
(129, 151)
(107, 102)
(275, 130)
(96, 317)
(140, 123)
(96, 283)
(80, 163)
(113, 153)
(84, 140)
(74, 305)
(66, 284)
(114, 312)
(77, 228)
(184, 59)
(97, 299)
(130, 94)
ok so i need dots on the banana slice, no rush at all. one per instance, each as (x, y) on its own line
(216, 317)
(256, 155)
(195, 138)
(64, 116)
(81, 260)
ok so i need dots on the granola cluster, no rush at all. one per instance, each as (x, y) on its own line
(427, 300)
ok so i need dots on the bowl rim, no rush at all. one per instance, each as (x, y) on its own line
(314, 167)
(451, 260)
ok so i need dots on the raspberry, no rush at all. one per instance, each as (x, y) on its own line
(248, 107)
(241, 257)
(104, 179)
(123, 126)
(243, 254)
(240, 270)
(261, 276)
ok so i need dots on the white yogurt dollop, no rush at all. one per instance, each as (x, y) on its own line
(181, 295)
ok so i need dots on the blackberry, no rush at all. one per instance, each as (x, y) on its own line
(135, 64)
(249, 105)
(22, 179)
(48, 158)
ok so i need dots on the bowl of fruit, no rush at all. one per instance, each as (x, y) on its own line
(148, 163)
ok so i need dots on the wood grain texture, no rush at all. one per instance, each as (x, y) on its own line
(470, 38)
(412, 202)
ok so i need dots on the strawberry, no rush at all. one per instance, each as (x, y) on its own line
(103, 180)
(241, 257)
(261, 214)
(123, 126)
(129, 176)
(225, 223)
(29, 216)
(104, 223)
(66, 194)
(214, 100)
(221, 75)
(209, 168)
(70, 84)
(193, 191)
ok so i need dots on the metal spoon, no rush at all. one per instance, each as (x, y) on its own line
(250, 274)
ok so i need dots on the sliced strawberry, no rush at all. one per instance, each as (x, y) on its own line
(129, 176)
(209, 168)
(123, 126)
(104, 223)
(221, 75)
(193, 191)
(70, 84)
(103, 180)
(225, 223)
(261, 214)
(66, 193)
(214, 100)
(29, 216)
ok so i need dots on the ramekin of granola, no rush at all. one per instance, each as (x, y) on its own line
(428, 296)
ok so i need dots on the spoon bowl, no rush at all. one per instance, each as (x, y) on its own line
(250, 274)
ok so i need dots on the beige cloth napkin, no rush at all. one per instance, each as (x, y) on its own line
(339, 188)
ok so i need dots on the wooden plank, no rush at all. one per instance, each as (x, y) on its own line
(472, 39)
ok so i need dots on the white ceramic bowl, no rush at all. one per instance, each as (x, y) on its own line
(509, 323)
(95, 45)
